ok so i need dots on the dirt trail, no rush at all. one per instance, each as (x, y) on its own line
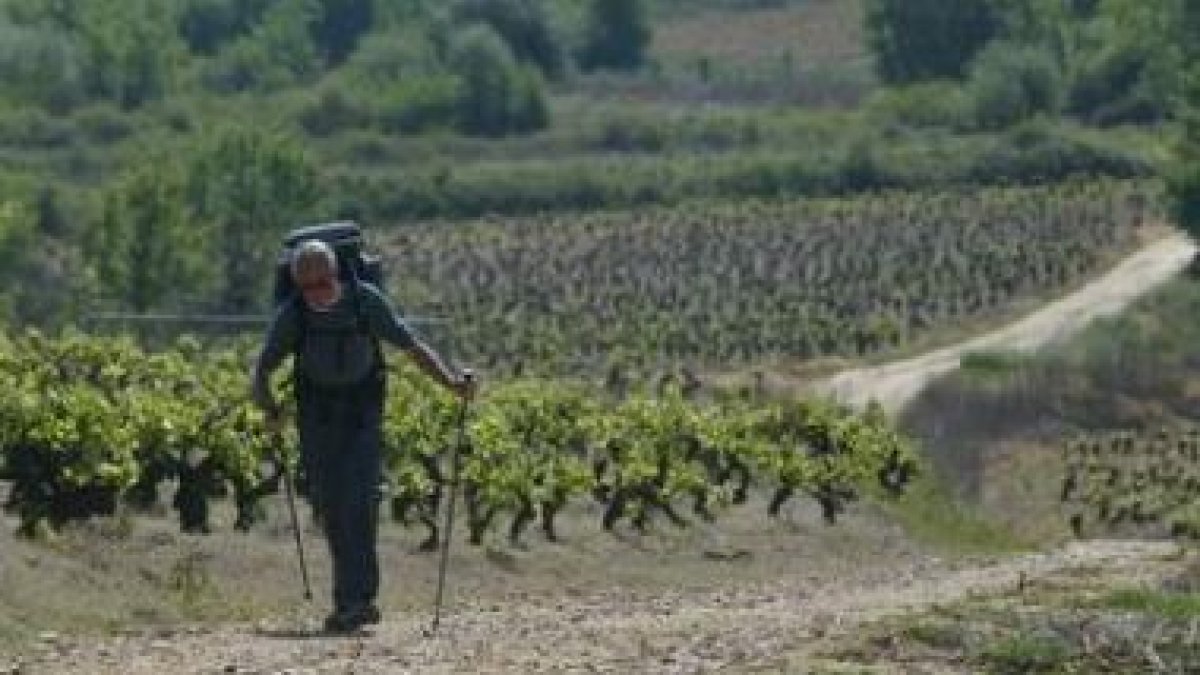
(895, 384)
(773, 625)
(776, 623)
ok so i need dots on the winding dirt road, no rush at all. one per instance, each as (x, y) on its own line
(895, 384)
(773, 625)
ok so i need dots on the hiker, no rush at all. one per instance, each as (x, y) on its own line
(332, 327)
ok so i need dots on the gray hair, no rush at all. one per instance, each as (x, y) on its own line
(313, 253)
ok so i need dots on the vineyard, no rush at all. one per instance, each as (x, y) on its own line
(95, 426)
(750, 282)
(1128, 481)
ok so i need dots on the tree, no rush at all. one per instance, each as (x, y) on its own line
(1184, 177)
(524, 24)
(286, 36)
(40, 64)
(616, 35)
(247, 187)
(498, 96)
(915, 40)
(206, 25)
(1011, 82)
(134, 51)
(339, 25)
(146, 253)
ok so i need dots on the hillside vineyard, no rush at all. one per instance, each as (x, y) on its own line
(94, 426)
(719, 284)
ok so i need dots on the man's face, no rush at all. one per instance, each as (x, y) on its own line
(318, 285)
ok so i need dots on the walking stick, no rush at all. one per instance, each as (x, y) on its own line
(291, 500)
(445, 556)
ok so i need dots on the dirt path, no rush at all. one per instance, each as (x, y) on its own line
(776, 623)
(895, 384)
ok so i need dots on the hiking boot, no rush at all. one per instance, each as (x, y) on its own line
(353, 618)
(369, 614)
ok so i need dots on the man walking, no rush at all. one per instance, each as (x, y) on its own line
(332, 330)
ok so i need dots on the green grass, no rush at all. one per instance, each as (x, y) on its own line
(1162, 604)
(1028, 653)
(931, 515)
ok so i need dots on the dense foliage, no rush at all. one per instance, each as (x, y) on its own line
(1097, 52)
(95, 424)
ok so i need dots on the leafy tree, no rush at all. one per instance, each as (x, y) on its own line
(616, 35)
(286, 36)
(134, 52)
(497, 96)
(247, 187)
(339, 25)
(280, 52)
(1184, 177)
(1011, 83)
(145, 252)
(524, 24)
(916, 40)
(40, 64)
(206, 25)
(383, 59)
(16, 235)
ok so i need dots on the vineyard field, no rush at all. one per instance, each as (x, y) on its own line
(722, 285)
(98, 425)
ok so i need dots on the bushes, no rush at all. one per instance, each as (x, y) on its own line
(1039, 151)
(1012, 83)
(498, 96)
(1184, 188)
(930, 104)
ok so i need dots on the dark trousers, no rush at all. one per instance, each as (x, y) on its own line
(340, 441)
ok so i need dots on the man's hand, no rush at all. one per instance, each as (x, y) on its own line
(465, 385)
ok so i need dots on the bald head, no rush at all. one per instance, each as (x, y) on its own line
(313, 258)
(314, 269)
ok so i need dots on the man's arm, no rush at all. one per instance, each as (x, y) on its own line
(433, 366)
(390, 327)
(280, 341)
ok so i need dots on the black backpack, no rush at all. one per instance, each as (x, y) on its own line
(346, 239)
(354, 266)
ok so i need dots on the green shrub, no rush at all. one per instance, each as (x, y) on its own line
(1028, 653)
(330, 109)
(931, 104)
(104, 123)
(1011, 83)
(1184, 189)
(32, 128)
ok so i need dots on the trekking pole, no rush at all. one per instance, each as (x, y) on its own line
(445, 556)
(291, 501)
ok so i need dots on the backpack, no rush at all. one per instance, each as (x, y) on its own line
(355, 266)
(346, 239)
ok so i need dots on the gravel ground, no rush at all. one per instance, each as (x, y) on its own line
(744, 629)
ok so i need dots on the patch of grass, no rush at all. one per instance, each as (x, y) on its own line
(931, 515)
(1027, 653)
(936, 634)
(983, 366)
(1164, 604)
